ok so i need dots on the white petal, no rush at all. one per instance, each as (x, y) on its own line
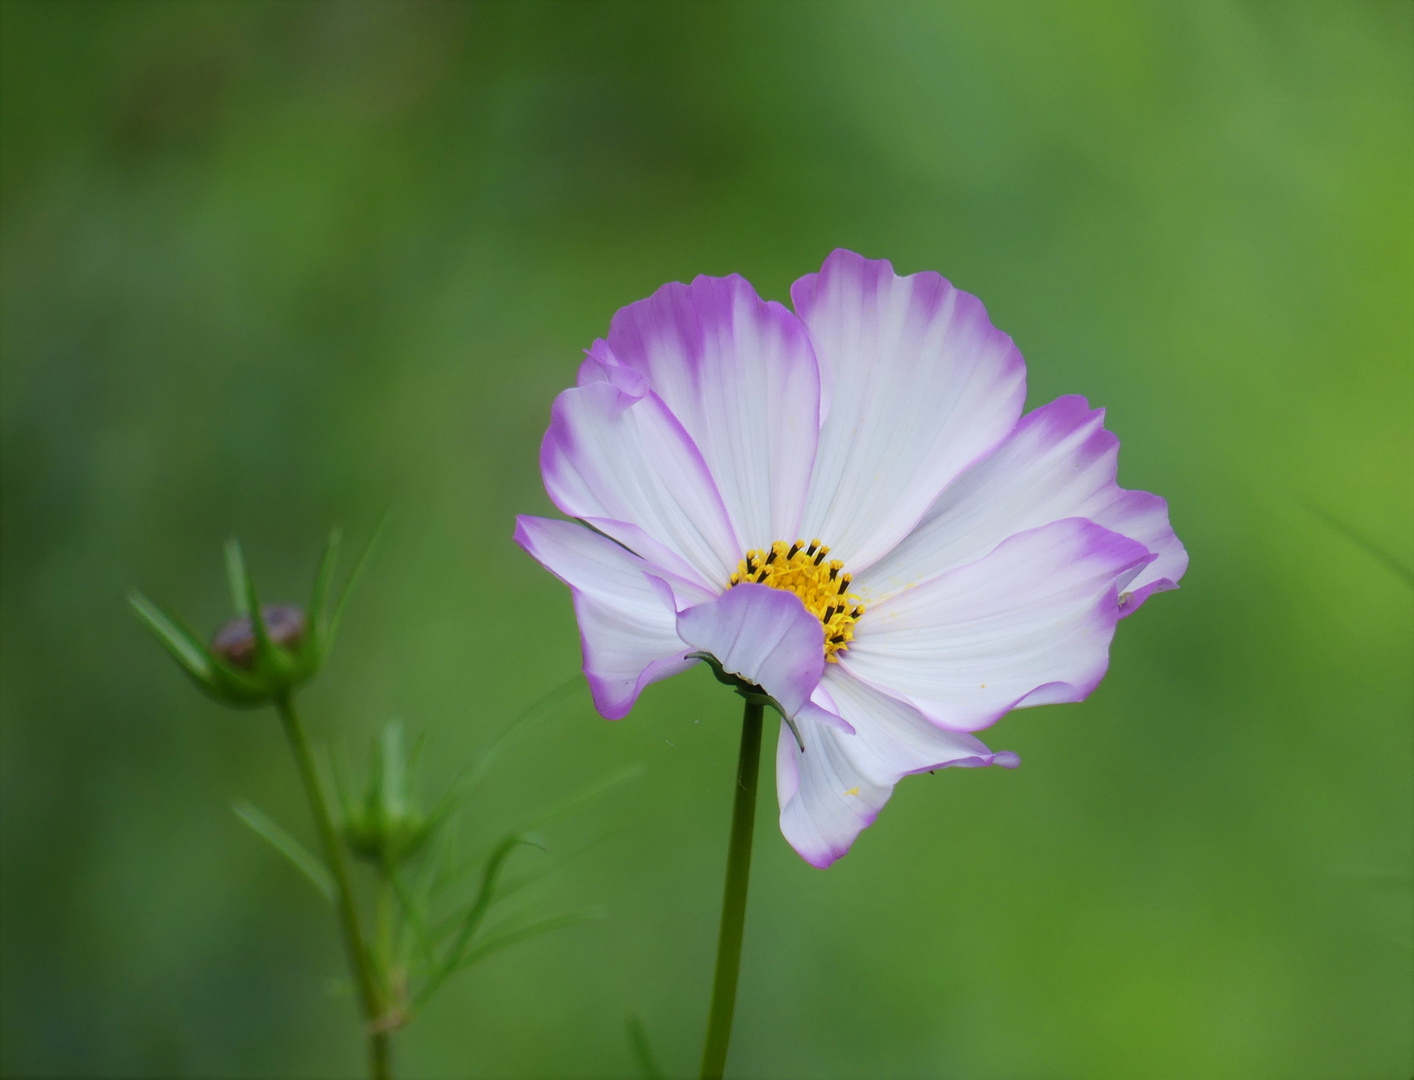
(613, 457)
(834, 789)
(1059, 462)
(741, 376)
(627, 618)
(1030, 624)
(920, 385)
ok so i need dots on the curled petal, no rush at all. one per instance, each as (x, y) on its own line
(764, 636)
(614, 456)
(836, 786)
(627, 619)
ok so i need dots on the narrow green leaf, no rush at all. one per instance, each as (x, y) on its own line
(648, 1066)
(354, 576)
(1365, 544)
(623, 776)
(287, 846)
(319, 601)
(414, 914)
(186, 648)
(476, 911)
(466, 784)
(505, 940)
(338, 764)
(391, 768)
(236, 577)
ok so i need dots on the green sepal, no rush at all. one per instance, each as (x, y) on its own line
(750, 691)
(212, 675)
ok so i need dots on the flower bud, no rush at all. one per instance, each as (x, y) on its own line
(235, 642)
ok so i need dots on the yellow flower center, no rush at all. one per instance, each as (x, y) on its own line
(820, 582)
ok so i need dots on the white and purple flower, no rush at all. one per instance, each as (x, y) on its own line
(845, 507)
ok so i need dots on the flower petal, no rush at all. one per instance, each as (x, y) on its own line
(1029, 624)
(766, 637)
(613, 455)
(740, 375)
(834, 789)
(627, 621)
(920, 385)
(1058, 462)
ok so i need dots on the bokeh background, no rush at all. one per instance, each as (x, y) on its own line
(271, 267)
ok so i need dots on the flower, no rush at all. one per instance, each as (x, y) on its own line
(845, 507)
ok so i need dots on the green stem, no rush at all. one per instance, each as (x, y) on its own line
(719, 1019)
(380, 1066)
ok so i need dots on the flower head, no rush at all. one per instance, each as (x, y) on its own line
(844, 507)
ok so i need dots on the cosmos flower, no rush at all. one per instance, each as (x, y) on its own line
(845, 507)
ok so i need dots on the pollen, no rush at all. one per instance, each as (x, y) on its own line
(819, 581)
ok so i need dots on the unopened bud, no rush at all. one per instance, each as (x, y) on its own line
(285, 625)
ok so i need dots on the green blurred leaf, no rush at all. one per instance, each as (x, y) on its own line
(508, 938)
(287, 846)
(470, 779)
(637, 1034)
(319, 599)
(354, 576)
(471, 921)
(1365, 544)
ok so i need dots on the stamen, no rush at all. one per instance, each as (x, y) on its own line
(806, 573)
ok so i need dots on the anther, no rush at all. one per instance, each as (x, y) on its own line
(793, 549)
(761, 575)
(837, 639)
(813, 545)
(829, 613)
(844, 584)
(771, 557)
(833, 571)
(819, 558)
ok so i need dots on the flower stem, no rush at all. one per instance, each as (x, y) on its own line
(719, 1019)
(379, 1050)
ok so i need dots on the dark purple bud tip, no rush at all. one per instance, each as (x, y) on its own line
(235, 642)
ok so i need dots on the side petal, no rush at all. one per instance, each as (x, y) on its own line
(835, 789)
(1058, 462)
(1029, 624)
(766, 637)
(627, 621)
(920, 384)
(740, 375)
(612, 456)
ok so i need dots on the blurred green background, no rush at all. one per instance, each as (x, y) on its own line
(268, 267)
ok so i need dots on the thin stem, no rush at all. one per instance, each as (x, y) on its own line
(719, 1019)
(369, 998)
